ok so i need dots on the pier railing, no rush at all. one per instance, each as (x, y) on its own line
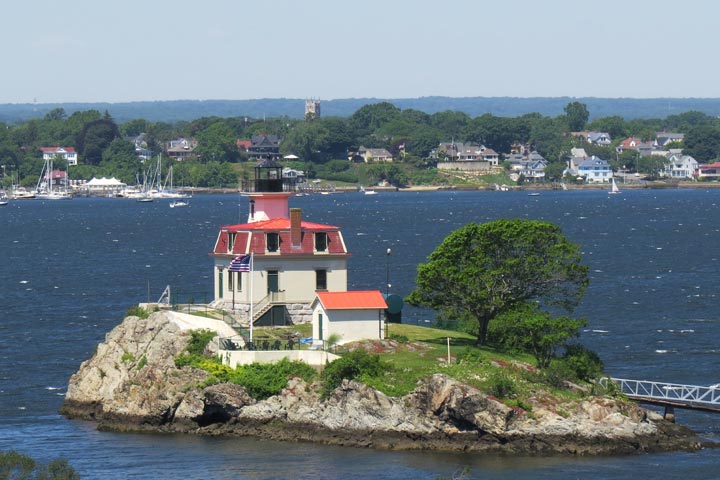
(663, 393)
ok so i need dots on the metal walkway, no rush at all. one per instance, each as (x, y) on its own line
(671, 394)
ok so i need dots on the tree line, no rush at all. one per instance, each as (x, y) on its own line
(105, 149)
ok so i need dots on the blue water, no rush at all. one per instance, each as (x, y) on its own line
(69, 270)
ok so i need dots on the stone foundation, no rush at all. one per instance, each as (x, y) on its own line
(295, 313)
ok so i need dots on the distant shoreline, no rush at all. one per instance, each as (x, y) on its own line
(523, 188)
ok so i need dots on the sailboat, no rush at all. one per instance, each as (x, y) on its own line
(614, 188)
(45, 188)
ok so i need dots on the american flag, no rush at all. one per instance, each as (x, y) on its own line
(240, 264)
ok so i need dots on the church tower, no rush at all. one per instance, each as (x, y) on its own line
(312, 109)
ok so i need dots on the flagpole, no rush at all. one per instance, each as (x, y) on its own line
(252, 268)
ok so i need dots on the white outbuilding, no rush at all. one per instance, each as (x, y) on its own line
(351, 316)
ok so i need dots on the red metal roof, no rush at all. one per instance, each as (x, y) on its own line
(55, 149)
(276, 224)
(360, 299)
(251, 237)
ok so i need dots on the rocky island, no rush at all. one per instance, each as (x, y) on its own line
(132, 383)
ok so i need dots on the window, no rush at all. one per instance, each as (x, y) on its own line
(321, 242)
(320, 279)
(220, 283)
(273, 242)
(234, 281)
(231, 241)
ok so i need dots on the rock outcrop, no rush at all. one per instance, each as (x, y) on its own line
(132, 383)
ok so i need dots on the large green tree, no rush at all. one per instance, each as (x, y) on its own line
(577, 115)
(483, 270)
(95, 137)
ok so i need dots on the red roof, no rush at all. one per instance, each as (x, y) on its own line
(276, 224)
(55, 149)
(251, 237)
(357, 300)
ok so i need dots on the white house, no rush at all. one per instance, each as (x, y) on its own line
(681, 166)
(595, 170)
(66, 153)
(292, 259)
(352, 316)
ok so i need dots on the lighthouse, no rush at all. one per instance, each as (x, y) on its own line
(284, 260)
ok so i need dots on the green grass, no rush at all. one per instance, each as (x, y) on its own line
(488, 369)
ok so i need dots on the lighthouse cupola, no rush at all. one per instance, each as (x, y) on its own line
(268, 192)
(268, 177)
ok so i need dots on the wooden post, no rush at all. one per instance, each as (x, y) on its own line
(448, 344)
(669, 414)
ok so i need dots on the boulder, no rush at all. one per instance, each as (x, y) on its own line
(467, 408)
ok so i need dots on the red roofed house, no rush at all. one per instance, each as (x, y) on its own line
(350, 315)
(292, 260)
(66, 153)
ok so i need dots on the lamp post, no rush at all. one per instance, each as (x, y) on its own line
(387, 272)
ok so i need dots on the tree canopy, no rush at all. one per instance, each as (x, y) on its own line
(484, 270)
(577, 115)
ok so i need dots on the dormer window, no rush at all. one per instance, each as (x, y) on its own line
(321, 242)
(273, 241)
(231, 241)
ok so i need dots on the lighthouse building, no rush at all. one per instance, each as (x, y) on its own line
(285, 260)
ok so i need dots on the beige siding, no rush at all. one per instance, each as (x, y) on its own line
(296, 278)
(349, 325)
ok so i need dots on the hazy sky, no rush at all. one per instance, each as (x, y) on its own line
(133, 50)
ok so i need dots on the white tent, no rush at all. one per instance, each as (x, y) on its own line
(104, 185)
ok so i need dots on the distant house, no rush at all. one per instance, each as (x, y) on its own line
(597, 138)
(530, 165)
(478, 153)
(595, 170)
(295, 176)
(264, 146)
(709, 171)
(351, 316)
(662, 139)
(681, 166)
(244, 145)
(66, 153)
(369, 155)
(447, 151)
(630, 143)
(533, 168)
(181, 148)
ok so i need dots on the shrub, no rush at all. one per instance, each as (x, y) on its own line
(142, 362)
(199, 339)
(267, 379)
(501, 385)
(558, 372)
(350, 366)
(470, 355)
(127, 357)
(585, 363)
(137, 312)
(19, 466)
(399, 338)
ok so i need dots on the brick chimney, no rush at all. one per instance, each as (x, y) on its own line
(295, 227)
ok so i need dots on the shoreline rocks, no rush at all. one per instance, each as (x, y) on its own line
(132, 384)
